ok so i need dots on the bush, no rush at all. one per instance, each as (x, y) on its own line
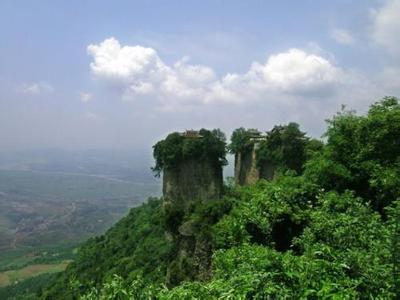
(362, 154)
(176, 148)
(284, 148)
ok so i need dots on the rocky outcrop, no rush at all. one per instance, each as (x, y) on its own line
(192, 180)
(247, 171)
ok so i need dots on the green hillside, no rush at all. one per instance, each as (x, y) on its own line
(328, 228)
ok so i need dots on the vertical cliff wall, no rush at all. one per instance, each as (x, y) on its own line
(189, 181)
(192, 180)
(247, 171)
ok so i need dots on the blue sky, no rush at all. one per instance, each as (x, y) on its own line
(122, 74)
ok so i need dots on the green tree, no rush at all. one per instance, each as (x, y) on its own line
(362, 154)
(175, 148)
(241, 141)
(394, 227)
(284, 148)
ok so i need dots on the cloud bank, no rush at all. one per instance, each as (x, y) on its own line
(139, 73)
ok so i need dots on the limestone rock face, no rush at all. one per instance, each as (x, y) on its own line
(192, 181)
(247, 171)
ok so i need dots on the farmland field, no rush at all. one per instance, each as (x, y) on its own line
(43, 208)
(14, 276)
(52, 202)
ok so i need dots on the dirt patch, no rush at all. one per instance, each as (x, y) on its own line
(4, 280)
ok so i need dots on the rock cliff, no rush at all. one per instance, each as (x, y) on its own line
(191, 165)
(247, 171)
(192, 180)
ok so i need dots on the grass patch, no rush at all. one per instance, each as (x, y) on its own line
(13, 276)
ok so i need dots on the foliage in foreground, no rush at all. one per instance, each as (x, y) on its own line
(362, 154)
(343, 251)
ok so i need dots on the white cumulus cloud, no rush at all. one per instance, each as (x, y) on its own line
(295, 71)
(116, 63)
(342, 36)
(386, 26)
(141, 73)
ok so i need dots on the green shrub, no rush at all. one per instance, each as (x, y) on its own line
(169, 152)
(362, 154)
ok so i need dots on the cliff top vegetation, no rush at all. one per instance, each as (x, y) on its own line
(242, 140)
(176, 148)
(284, 147)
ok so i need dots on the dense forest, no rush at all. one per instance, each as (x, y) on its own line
(327, 226)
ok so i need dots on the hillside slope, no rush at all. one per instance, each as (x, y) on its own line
(134, 246)
(331, 231)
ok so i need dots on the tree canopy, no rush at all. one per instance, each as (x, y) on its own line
(286, 147)
(241, 141)
(362, 154)
(176, 148)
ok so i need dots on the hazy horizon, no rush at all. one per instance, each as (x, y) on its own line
(121, 75)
